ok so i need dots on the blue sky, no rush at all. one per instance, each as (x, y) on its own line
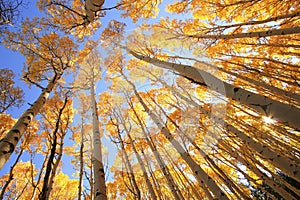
(15, 61)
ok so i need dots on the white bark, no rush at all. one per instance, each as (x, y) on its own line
(141, 163)
(252, 166)
(235, 190)
(283, 31)
(174, 189)
(283, 113)
(288, 166)
(99, 175)
(205, 181)
(9, 142)
(268, 87)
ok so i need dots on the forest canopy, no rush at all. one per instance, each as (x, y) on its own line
(150, 99)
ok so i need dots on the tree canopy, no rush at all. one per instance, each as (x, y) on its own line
(151, 99)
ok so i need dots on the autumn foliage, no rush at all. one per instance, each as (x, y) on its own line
(186, 100)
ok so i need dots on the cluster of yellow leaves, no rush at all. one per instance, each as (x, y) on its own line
(44, 51)
(177, 7)
(20, 186)
(64, 187)
(6, 122)
(69, 16)
(52, 108)
(136, 9)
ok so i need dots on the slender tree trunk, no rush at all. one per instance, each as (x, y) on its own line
(271, 75)
(203, 179)
(9, 142)
(262, 176)
(11, 175)
(51, 167)
(247, 176)
(99, 175)
(58, 159)
(81, 159)
(271, 19)
(155, 181)
(173, 187)
(268, 33)
(140, 161)
(235, 190)
(183, 174)
(137, 192)
(288, 166)
(35, 184)
(270, 88)
(284, 113)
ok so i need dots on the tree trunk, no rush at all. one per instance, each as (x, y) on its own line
(9, 142)
(235, 190)
(91, 8)
(51, 165)
(261, 175)
(173, 187)
(140, 161)
(268, 33)
(81, 159)
(205, 181)
(271, 19)
(283, 113)
(99, 175)
(288, 166)
(276, 90)
(137, 192)
(11, 175)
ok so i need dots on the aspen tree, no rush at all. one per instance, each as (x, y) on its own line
(286, 114)
(264, 155)
(81, 158)
(285, 164)
(43, 54)
(268, 33)
(204, 180)
(99, 175)
(137, 192)
(174, 189)
(9, 142)
(55, 152)
(235, 190)
(140, 161)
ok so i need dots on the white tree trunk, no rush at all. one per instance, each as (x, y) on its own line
(204, 180)
(283, 113)
(174, 189)
(9, 142)
(288, 166)
(99, 175)
(283, 31)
